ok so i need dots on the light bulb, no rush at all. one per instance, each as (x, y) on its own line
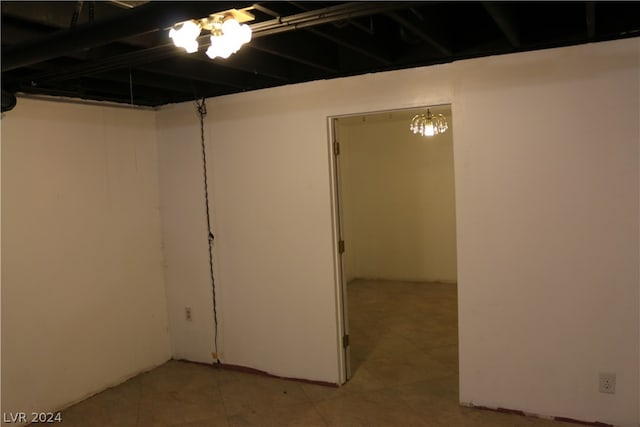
(245, 34)
(429, 130)
(240, 34)
(220, 46)
(230, 26)
(185, 35)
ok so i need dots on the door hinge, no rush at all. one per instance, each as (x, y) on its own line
(341, 246)
(345, 341)
(336, 148)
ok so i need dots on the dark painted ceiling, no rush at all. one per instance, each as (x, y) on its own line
(120, 51)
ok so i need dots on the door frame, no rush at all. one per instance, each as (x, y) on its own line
(342, 330)
(344, 357)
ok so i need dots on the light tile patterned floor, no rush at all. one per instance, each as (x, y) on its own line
(405, 373)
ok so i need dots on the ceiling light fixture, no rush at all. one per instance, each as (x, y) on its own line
(228, 33)
(428, 125)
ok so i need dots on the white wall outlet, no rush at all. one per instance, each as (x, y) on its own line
(607, 382)
(187, 314)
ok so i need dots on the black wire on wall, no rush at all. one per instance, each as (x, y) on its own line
(202, 112)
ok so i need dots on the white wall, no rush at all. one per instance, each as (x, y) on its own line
(185, 233)
(546, 157)
(271, 203)
(398, 199)
(83, 300)
(547, 201)
(277, 305)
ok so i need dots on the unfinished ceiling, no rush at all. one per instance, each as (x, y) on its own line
(120, 50)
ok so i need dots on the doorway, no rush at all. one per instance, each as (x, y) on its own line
(395, 237)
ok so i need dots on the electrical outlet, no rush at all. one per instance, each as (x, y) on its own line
(187, 314)
(607, 383)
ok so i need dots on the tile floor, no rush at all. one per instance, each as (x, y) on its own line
(404, 358)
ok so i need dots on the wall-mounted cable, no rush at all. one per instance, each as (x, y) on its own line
(202, 112)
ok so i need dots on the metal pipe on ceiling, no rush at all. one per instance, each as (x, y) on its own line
(122, 4)
(314, 14)
(265, 10)
(323, 16)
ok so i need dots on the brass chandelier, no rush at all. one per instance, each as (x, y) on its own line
(429, 124)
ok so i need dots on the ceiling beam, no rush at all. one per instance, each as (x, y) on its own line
(104, 91)
(147, 79)
(244, 63)
(354, 40)
(125, 60)
(304, 49)
(207, 72)
(353, 22)
(590, 12)
(149, 17)
(326, 15)
(123, 90)
(344, 36)
(254, 62)
(503, 17)
(15, 30)
(142, 56)
(55, 14)
(415, 29)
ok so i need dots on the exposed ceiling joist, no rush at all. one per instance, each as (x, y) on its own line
(191, 69)
(415, 29)
(127, 60)
(149, 17)
(151, 79)
(327, 15)
(256, 62)
(303, 50)
(356, 41)
(125, 54)
(503, 17)
(590, 17)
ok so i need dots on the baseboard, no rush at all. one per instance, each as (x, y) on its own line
(247, 370)
(380, 279)
(527, 414)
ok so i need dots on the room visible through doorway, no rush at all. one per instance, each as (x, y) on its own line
(395, 198)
